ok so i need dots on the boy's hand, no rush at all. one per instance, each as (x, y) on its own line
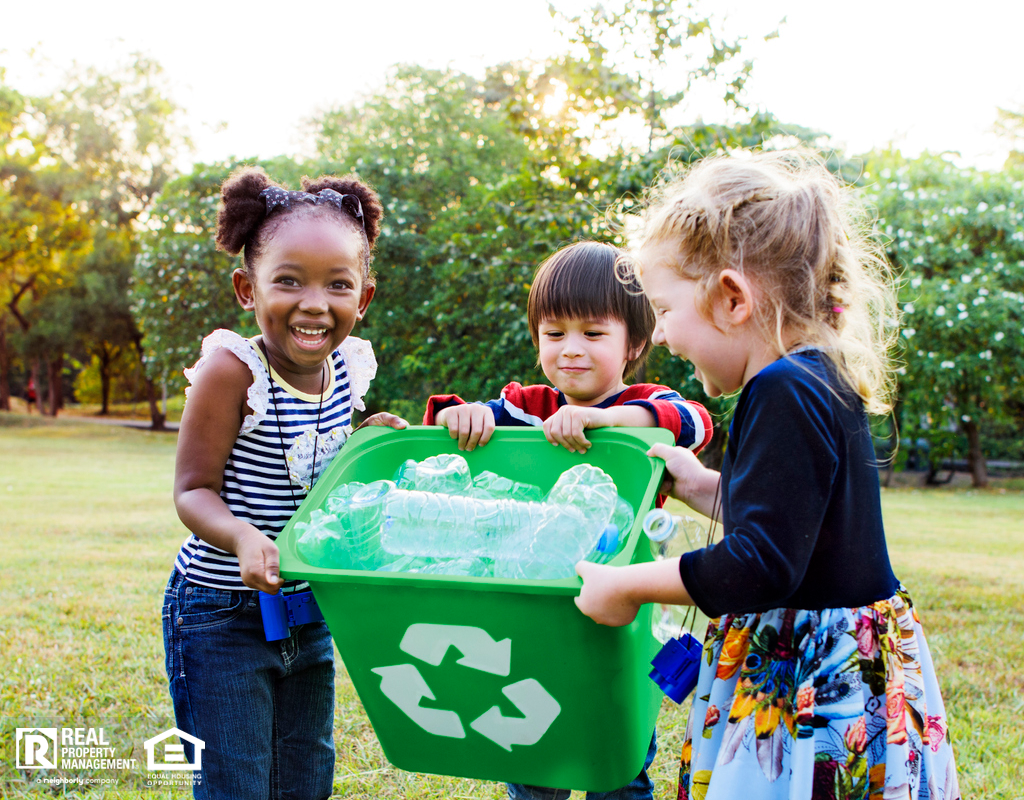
(258, 561)
(602, 598)
(471, 423)
(566, 426)
(386, 419)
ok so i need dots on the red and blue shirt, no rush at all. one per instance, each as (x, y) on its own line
(521, 405)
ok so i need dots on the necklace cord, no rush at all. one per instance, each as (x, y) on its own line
(280, 435)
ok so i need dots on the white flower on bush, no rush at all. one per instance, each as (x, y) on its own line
(947, 365)
(999, 336)
(940, 311)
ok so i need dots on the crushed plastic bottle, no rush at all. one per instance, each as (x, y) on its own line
(446, 473)
(582, 504)
(672, 535)
(466, 567)
(491, 526)
(346, 536)
(621, 525)
(543, 539)
(490, 484)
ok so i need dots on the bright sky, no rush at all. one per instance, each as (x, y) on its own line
(920, 74)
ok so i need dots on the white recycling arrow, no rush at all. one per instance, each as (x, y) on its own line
(404, 686)
(538, 707)
(429, 643)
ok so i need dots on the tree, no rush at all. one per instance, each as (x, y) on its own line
(43, 235)
(117, 134)
(956, 235)
(181, 285)
(658, 49)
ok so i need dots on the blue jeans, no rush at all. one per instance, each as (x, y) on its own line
(265, 710)
(641, 787)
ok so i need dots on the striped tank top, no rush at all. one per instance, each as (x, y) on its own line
(268, 473)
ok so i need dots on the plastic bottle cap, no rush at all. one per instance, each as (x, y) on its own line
(609, 541)
(659, 525)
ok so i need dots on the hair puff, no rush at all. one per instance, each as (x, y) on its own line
(349, 184)
(242, 210)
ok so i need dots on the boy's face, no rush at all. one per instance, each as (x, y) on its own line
(584, 358)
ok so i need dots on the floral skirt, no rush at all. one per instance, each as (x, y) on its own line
(840, 703)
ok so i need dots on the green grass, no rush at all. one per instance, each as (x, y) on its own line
(88, 534)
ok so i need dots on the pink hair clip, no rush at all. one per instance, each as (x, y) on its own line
(837, 309)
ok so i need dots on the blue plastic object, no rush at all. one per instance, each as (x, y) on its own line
(609, 541)
(676, 666)
(283, 611)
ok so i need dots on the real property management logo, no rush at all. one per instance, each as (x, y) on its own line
(66, 748)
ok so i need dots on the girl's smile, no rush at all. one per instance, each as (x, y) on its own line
(307, 293)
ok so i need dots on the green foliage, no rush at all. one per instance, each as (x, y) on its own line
(119, 132)
(181, 286)
(956, 235)
(657, 50)
(125, 375)
(473, 203)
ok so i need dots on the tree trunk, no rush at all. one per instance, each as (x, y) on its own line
(975, 458)
(5, 370)
(105, 380)
(155, 416)
(34, 377)
(55, 370)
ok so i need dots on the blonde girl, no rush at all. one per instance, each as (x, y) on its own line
(815, 681)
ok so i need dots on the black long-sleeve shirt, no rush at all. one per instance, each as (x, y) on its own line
(801, 508)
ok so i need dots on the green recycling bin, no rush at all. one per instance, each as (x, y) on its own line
(493, 678)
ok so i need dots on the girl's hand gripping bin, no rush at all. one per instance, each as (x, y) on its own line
(493, 678)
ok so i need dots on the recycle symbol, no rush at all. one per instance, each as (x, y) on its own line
(403, 685)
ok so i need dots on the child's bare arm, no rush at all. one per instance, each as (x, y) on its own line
(209, 426)
(565, 427)
(613, 595)
(471, 423)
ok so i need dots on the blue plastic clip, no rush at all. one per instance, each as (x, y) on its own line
(676, 666)
(283, 611)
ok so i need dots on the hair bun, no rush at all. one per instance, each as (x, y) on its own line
(242, 210)
(349, 184)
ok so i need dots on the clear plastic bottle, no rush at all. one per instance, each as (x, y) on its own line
(447, 473)
(538, 537)
(583, 502)
(350, 540)
(620, 527)
(490, 484)
(672, 536)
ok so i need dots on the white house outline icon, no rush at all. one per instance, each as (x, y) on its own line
(150, 746)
